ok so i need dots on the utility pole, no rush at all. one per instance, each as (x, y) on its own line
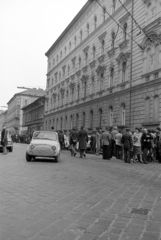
(131, 63)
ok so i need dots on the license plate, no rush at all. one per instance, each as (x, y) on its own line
(42, 151)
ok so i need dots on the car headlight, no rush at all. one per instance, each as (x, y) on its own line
(32, 147)
(53, 148)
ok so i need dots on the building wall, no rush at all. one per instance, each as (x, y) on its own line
(99, 75)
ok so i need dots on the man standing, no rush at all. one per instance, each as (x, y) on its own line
(61, 139)
(146, 145)
(118, 145)
(106, 144)
(83, 139)
(4, 139)
(98, 142)
(113, 134)
(93, 142)
(127, 145)
(73, 141)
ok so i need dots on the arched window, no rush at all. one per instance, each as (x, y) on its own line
(95, 22)
(81, 35)
(80, 62)
(66, 122)
(112, 77)
(125, 31)
(91, 119)
(61, 124)
(84, 119)
(77, 121)
(67, 96)
(78, 91)
(147, 109)
(111, 116)
(92, 85)
(71, 122)
(123, 114)
(113, 36)
(104, 13)
(94, 52)
(75, 41)
(113, 6)
(156, 109)
(103, 46)
(124, 72)
(101, 81)
(85, 88)
(100, 117)
(87, 29)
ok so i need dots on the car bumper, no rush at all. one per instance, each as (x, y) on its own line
(42, 152)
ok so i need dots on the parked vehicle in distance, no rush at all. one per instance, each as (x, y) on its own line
(9, 143)
(43, 144)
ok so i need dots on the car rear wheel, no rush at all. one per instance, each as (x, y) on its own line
(57, 158)
(28, 157)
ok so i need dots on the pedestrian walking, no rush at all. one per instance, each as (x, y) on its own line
(137, 145)
(127, 145)
(146, 145)
(98, 142)
(73, 141)
(82, 139)
(158, 145)
(93, 142)
(113, 141)
(61, 139)
(118, 145)
(4, 134)
(106, 144)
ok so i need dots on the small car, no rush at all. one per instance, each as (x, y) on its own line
(43, 144)
(9, 143)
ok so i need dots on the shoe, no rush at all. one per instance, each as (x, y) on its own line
(145, 162)
(84, 155)
(74, 154)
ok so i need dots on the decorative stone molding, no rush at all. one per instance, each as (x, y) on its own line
(147, 2)
(72, 85)
(100, 69)
(62, 90)
(78, 73)
(110, 89)
(54, 95)
(73, 60)
(84, 78)
(85, 49)
(62, 83)
(101, 58)
(92, 64)
(123, 44)
(102, 36)
(56, 74)
(154, 38)
(85, 69)
(111, 52)
(67, 80)
(123, 57)
(72, 76)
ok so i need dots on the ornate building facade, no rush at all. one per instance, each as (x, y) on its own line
(98, 75)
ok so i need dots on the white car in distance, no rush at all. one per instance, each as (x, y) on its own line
(43, 144)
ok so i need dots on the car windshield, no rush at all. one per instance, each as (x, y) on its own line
(45, 135)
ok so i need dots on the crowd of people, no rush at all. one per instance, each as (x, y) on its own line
(142, 145)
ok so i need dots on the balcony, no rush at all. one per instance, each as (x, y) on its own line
(17, 115)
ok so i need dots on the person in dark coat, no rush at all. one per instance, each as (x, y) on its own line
(73, 141)
(82, 139)
(4, 139)
(106, 144)
(146, 145)
(61, 139)
(127, 145)
(93, 142)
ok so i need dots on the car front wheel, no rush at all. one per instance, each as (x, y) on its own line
(57, 158)
(28, 157)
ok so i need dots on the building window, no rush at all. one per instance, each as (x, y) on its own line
(113, 6)
(86, 57)
(66, 123)
(147, 110)
(100, 117)
(124, 72)
(70, 46)
(95, 22)
(111, 116)
(101, 81)
(71, 122)
(84, 119)
(68, 70)
(53, 122)
(123, 114)
(75, 41)
(125, 31)
(60, 55)
(72, 94)
(81, 36)
(102, 46)
(85, 88)
(92, 85)
(156, 75)
(67, 96)
(87, 29)
(80, 62)
(78, 91)
(77, 121)
(91, 119)
(112, 77)
(65, 51)
(113, 36)
(104, 13)
(156, 109)
(61, 124)
(94, 52)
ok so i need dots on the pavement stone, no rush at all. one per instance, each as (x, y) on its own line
(78, 199)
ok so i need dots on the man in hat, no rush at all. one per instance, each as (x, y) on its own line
(4, 139)
(127, 145)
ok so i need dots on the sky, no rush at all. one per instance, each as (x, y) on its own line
(28, 28)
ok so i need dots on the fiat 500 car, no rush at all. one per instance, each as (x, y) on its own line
(43, 144)
(9, 143)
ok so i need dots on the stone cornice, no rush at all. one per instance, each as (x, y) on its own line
(102, 36)
(101, 58)
(92, 64)
(152, 25)
(100, 69)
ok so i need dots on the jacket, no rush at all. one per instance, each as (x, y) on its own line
(105, 138)
(127, 140)
(83, 139)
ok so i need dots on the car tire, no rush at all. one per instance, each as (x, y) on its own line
(57, 158)
(28, 157)
(10, 149)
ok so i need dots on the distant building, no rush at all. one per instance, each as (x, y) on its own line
(1, 120)
(33, 115)
(15, 104)
(90, 81)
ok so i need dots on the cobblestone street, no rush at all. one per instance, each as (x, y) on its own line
(78, 199)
